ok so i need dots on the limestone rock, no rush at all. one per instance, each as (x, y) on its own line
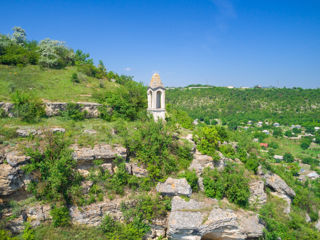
(55, 108)
(107, 167)
(201, 220)
(10, 179)
(317, 225)
(57, 129)
(14, 159)
(200, 162)
(174, 187)
(90, 131)
(276, 183)
(27, 132)
(104, 152)
(92, 215)
(7, 107)
(257, 194)
(138, 171)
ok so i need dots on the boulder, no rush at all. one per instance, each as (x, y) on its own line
(138, 171)
(90, 131)
(107, 167)
(286, 199)
(57, 129)
(10, 179)
(317, 225)
(8, 108)
(104, 152)
(206, 220)
(15, 159)
(55, 108)
(200, 162)
(174, 187)
(277, 184)
(27, 132)
(257, 195)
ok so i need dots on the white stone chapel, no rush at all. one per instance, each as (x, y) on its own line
(156, 98)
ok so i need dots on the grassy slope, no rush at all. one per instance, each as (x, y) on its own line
(49, 84)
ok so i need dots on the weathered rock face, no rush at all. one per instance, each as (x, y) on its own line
(257, 195)
(280, 186)
(200, 220)
(104, 152)
(200, 162)
(317, 225)
(7, 107)
(10, 179)
(174, 187)
(92, 215)
(27, 132)
(138, 171)
(11, 176)
(55, 108)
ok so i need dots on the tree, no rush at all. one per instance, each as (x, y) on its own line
(287, 157)
(19, 35)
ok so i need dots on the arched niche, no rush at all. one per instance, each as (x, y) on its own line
(158, 99)
(150, 99)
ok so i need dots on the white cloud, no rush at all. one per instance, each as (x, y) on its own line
(128, 69)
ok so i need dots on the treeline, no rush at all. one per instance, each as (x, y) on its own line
(17, 50)
(238, 106)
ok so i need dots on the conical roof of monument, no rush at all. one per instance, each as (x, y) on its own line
(156, 81)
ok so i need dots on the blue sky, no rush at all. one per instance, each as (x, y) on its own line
(218, 42)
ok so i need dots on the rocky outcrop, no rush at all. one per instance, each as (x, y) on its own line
(138, 171)
(35, 215)
(11, 175)
(7, 107)
(277, 184)
(200, 162)
(11, 179)
(174, 187)
(206, 220)
(92, 215)
(55, 108)
(104, 152)
(258, 196)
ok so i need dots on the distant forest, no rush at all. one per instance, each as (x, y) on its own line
(237, 106)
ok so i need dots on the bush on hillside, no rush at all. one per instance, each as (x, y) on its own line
(153, 146)
(127, 102)
(192, 179)
(27, 107)
(60, 216)
(288, 157)
(230, 183)
(208, 137)
(53, 170)
(74, 111)
(179, 116)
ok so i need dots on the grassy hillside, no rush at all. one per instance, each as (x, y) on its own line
(50, 84)
(236, 106)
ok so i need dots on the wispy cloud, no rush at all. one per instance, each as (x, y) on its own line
(226, 12)
(128, 69)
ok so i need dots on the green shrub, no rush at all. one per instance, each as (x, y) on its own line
(288, 157)
(74, 78)
(288, 133)
(229, 183)
(192, 179)
(127, 102)
(73, 111)
(154, 147)
(6, 235)
(28, 232)
(207, 138)
(3, 113)
(305, 143)
(53, 169)
(27, 107)
(60, 216)
(274, 145)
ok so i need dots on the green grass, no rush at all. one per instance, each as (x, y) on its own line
(48, 232)
(293, 146)
(74, 130)
(48, 84)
